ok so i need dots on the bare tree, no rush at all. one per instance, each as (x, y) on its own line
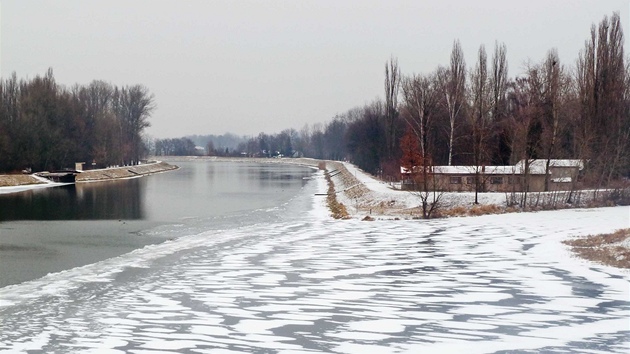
(392, 85)
(452, 84)
(480, 115)
(366, 139)
(601, 84)
(524, 126)
(430, 192)
(498, 85)
(553, 88)
(424, 183)
(499, 81)
(96, 98)
(421, 99)
(136, 105)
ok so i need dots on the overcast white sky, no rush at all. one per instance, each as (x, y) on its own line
(252, 66)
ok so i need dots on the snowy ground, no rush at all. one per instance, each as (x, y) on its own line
(488, 284)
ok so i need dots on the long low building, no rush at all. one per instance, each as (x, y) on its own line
(516, 178)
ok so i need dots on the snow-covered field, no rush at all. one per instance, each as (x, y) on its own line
(497, 283)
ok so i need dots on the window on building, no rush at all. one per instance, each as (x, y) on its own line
(456, 180)
(470, 180)
(496, 180)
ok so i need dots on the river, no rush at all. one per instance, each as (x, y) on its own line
(53, 229)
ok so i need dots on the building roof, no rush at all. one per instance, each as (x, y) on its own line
(536, 167)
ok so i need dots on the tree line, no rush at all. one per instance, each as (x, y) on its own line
(46, 126)
(477, 115)
(214, 145)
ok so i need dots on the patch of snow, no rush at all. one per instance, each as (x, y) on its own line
(561, 180)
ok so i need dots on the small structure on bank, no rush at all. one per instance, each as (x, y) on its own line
(531, 175)
(59, 176)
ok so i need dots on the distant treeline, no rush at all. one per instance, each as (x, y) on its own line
(477, 115)
(215, 145)
(45, 126)
(218, 142)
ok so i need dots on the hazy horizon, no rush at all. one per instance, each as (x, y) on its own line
(248, 67)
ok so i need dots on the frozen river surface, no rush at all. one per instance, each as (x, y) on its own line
(308, 284)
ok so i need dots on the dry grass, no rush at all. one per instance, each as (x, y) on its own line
(459, 210)
(604, 248)
(475, 210)
(338, 210)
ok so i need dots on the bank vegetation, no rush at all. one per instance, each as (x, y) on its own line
(45, 126)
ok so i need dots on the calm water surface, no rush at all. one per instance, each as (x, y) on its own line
(53, 229)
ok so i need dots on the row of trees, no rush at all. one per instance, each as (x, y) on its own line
(174, 147)
(461, 115)
(45, 126)
(218, 142)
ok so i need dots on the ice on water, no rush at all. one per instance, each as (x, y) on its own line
(484, 284)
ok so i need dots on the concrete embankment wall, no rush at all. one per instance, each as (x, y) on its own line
(124, 172)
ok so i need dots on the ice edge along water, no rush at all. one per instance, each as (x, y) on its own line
(311, 284)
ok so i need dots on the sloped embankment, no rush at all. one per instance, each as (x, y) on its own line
(18, 180)
(124, 172)
(348, 192)
(345, 182)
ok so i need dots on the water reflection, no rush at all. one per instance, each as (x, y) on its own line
(88, 201)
